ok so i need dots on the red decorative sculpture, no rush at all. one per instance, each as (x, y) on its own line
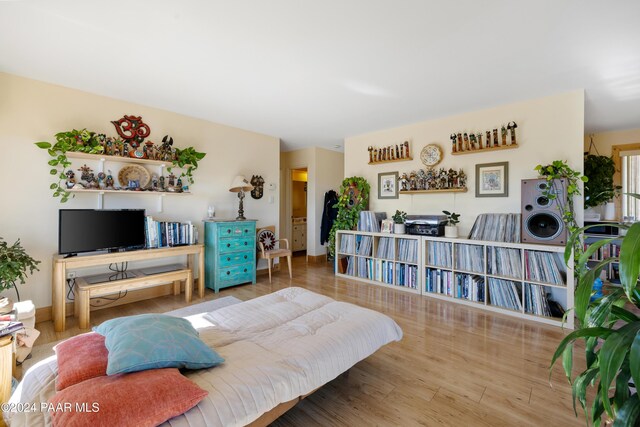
(132, 129)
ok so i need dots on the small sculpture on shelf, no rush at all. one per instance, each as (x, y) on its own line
(432, 179)
(462, 179)
(512, 128)
(178, 187)
(258, 186)
(473, 141)
(154, 182)
(166, 148)
(421, 180)
(503, 133)
(392, 152)
(404, 182)
(495, 138)
(101, 178)
(453, 139)
(108, 181)
(71, 179)
(413, 185)
(161, 183)
(132, 129)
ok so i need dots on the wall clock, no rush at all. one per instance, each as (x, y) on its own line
(431, 155)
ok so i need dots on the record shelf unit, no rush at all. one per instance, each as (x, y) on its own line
(384, 259)
(508, 278)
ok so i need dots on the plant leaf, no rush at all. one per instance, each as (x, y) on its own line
(612, 355)
(579, 388)
(567, 363)
(634, 359)
(43, 144)
(578, 333)
(630, 259)
(628, 413)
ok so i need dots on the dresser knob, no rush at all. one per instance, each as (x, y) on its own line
(228, 231)
(245, 270)
(245, 243)
(228, 273)
(245, 257)
(228, 245)
(228, 259)
(246, 231)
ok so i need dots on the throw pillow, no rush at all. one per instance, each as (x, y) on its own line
(80, 358)
(152, 341)
(145, 398)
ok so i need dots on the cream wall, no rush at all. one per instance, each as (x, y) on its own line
(549, 128)
(325, 171)
(605, 140)
(33, 111)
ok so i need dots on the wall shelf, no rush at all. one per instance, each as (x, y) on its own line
(118, 159)
(391, 161)
(484, 150)
(133, 193)
(444, 190)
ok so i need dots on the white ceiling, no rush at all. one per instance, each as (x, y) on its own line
(315, 72)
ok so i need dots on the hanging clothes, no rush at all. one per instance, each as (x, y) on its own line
(329, 214)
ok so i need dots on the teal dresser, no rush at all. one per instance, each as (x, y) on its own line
(230, 252)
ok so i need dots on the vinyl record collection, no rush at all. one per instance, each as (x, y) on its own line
(535, 300)
(408, 250)
(496, 228)
(470, 287)
(545, 267)
(470, 258)
(504, 262)
(504, 293)
(385, 248)
(439, 254)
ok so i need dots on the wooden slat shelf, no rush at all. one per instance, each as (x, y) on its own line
(120, 159)
(484, 150)
(391, 161)
(445, 190)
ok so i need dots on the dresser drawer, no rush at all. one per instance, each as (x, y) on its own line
(237, 273)
(237, 230)
(234, 258)
(237, 244)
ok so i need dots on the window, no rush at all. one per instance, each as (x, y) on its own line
(627, 159)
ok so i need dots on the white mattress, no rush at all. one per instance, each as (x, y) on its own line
(276, 348)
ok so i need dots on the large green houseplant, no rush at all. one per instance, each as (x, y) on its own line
(14, 264)
(600, 188)
(610, 329)
(353, 197)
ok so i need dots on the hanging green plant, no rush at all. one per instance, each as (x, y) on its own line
(599, 189)
(353, 198)
(75, 140)
(187, 157)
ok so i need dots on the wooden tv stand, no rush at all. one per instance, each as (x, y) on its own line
(62, 264)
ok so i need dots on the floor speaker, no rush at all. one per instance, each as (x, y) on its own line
(542, 216)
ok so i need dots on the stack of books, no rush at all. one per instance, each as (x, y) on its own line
(162, 234)
(8, 327)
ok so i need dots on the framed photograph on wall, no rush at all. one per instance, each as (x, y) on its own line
(492, 179)
(388, 185)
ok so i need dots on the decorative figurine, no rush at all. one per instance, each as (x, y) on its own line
(86, 175)
(161, 184)
(479, 136)
(398, 152)
(178, 188)
(472, 141)
(488, 141)
(413, 184)
(165, 148)
(172, 182)
(258, 186)
(149, 150)
(495, 138)
(465, 137)
(370, 150)
(503, 133)
(71, 179)
(404, 182)
(406, 149)
(460, 147)
(101, 177)
(132, 129)
(108, 181)
(422, 180)
(453, 138)
(102, 140)
(125, 149)
(512, 127)
(462, 179)
(138, 153)
(154, 182)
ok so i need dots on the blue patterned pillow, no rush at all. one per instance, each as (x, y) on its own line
(154, 341)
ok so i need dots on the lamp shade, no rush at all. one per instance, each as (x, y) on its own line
(239, 184)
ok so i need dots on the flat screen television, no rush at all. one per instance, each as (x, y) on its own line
(90, 230)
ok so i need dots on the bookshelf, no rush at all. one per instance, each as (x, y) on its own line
(611, 249)
(384, 259)
(508, 278)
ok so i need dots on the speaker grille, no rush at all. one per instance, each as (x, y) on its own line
(544, 225)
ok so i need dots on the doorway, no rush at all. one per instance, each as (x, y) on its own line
(299, 181)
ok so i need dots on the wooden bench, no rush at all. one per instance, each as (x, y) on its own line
(86, 291)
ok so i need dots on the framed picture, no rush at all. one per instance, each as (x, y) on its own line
(492, 179)
(386, 226)
(388, 185)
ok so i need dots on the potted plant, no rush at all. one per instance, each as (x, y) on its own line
(14, 263)
(599, 191)
(451, 229)
(398, 222)
(610, 328)
(353, 197)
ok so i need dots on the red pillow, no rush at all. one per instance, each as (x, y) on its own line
(144, 398)
(81, 358)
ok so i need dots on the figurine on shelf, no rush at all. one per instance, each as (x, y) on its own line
(479, 136)
(150, 150)
(442, 178)
(154, 182)
(460, 147)
(462, 179)
(178, 188)
(398, 152)
(512, 128)
(86, 175)
(465, 137)
(138, 153)
(413, 185)
(71, 179)
(503, 133)
(488, 141)
(102, 140)
(472, 141)
(165, 148)
(452, 178)
(101, 178)
(171, 183)
(495, 138)
(108, 181)
(125, 149)
(404, 182)
(422, 180)
(161, 183)
(453, 139)
(406, 150)
(370, 150)
(431, 180)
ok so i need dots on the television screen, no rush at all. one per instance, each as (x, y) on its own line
(88, 230)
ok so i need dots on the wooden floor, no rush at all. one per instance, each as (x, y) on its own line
(455, 366)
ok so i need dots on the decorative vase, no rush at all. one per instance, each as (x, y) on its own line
(451, 231)
(398, 228)
(610, 211)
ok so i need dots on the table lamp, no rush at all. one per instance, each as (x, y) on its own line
(240, 185)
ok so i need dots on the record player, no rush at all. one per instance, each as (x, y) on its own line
(426, 225)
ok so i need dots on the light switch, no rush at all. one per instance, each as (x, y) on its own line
(270, 200)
